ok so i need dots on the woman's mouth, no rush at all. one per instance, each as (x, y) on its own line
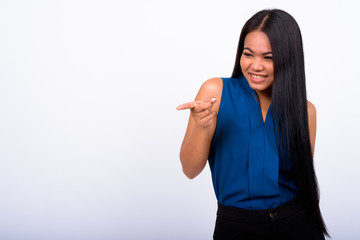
(257, 78)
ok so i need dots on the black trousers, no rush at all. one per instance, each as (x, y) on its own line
(286, 222)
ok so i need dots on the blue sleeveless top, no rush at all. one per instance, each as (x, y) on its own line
(243, 157)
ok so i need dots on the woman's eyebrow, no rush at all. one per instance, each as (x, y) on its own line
(265, 53)
(248, 49)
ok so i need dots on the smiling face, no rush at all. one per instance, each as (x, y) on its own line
(256, 62)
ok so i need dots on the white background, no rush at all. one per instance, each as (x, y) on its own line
(89, 134)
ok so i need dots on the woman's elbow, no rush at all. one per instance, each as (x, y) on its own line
(190, 173)
(192, 165)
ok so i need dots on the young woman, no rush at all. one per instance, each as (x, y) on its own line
(257, 130)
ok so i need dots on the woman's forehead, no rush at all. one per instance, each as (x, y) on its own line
(257, 41)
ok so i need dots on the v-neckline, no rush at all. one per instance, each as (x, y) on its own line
(256, 97)
(266, 115)
(263, 121)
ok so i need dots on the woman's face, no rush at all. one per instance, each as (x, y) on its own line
(256, 62)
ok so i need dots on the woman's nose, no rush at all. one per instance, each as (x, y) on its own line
(257, 65)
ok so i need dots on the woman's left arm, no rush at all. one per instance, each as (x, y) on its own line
(312, 125)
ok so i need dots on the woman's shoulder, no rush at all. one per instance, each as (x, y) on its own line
(311, 109)
(217, 83)
(213, 83)
(212, 87)
(312, 124)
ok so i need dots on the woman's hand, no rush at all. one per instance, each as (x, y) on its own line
(200, 111)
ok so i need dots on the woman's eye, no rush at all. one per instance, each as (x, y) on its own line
(268, 57)
(247, 54)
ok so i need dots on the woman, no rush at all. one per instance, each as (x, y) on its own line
(257, 130)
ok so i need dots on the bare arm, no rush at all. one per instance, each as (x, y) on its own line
(312, 125)
(195, 147)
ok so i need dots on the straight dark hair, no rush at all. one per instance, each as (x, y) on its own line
(289, 102)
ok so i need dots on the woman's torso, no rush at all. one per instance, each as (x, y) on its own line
(243, 157)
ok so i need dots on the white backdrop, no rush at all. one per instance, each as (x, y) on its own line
(89, 134)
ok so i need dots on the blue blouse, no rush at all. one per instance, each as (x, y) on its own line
(243, 157)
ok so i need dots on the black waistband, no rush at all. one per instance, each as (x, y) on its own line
(258, 216)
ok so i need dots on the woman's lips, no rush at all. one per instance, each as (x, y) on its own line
(257, 78)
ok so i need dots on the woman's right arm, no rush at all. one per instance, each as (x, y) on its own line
(195, 147)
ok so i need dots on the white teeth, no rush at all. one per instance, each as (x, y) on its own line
(257, 76)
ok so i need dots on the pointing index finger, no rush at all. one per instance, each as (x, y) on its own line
(193, 104)
(188, 105)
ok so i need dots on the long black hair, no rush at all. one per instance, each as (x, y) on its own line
(289, 102)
